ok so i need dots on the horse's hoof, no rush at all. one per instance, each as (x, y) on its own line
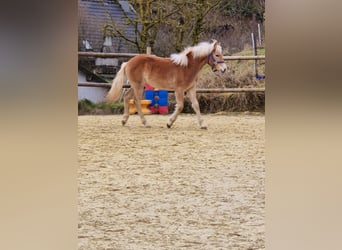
(204, 127)
(123, 123)
(168, 126)
(148, 126)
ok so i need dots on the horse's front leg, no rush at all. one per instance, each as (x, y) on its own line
(179, 94)
(194, 103)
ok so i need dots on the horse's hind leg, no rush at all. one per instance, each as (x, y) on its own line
(194, 103)
(179, 107)
(138, 93)
(127, 97)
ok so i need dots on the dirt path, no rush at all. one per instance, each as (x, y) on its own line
(179, 188)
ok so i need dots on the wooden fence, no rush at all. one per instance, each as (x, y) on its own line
(129, 55)
(211, 90)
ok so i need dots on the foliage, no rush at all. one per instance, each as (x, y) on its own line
(239, 73)
(209, 103)
(234, 102)
(149, 16)
(168, 26)
(86, 106)
(245, 8)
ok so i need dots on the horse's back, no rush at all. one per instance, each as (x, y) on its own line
(154, 70)
(143, 59)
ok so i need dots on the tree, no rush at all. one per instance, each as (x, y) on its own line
(185, 18)
(149, 15)
(172, 25)
(187, 25)
(202, 8)
(244, 8)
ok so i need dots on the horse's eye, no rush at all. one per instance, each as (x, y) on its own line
(217, 55)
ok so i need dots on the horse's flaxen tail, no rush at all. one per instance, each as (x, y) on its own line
(115, 91)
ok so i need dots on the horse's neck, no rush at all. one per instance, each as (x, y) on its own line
(196, 64)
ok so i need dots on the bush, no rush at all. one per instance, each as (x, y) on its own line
(86, 107)
(234, 102)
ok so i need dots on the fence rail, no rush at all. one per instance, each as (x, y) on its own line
(230, 58)
(106, 55)
(116, 55)
(213, 90)
(201, 90)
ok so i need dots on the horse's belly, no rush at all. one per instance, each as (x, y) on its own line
(161, 85)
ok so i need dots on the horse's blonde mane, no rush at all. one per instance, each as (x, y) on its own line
(200, 50)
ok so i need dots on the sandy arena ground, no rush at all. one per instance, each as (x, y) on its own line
(178, 188)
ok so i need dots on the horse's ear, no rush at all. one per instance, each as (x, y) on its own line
(212, 41)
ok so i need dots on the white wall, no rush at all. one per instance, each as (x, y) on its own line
(94, 94)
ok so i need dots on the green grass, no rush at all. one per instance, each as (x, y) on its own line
(85, 106)
(249, 52)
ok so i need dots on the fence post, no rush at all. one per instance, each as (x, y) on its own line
(255, 54)
(148, 50)
(259, 32)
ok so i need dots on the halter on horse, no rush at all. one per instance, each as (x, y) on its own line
(215, 62)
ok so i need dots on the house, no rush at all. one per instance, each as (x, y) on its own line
(96, 22)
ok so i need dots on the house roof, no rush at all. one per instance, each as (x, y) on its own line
(95, 15)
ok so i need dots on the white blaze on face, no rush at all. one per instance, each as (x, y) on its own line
(218, 51)
(223, 67)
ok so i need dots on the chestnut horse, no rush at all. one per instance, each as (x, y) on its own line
(176, 73)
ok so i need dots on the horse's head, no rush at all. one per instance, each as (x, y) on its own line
(215, 58)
